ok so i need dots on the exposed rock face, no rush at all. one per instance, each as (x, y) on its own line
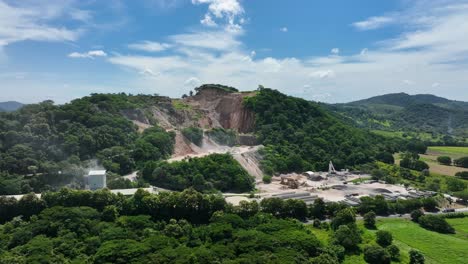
(224, 109)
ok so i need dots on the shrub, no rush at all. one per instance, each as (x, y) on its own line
(369, 220)
(436, 223)
(416, 257)
(194, 134)
(376, 255)
(394, 252)
(445, 160)
(347, 237)
(461, 162)
(266, 179)
(416, 214)
(462, 175)
(384, 238)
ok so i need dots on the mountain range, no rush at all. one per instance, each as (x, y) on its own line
(10, 106)
(420, 113)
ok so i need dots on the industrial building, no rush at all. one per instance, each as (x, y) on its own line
(96, 179)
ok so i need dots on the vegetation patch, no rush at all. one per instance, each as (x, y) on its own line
(436, 247)
(216, 172)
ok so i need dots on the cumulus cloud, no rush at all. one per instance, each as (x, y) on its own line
(90, 54)
(284, 29)
(192, 82)
(433, 44)
(230, 11)
(149, 46)
(208, 21)
(335, 51)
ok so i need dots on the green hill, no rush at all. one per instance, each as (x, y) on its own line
(446, 121)
(10, 106)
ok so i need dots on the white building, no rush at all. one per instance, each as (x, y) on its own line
(96, 179)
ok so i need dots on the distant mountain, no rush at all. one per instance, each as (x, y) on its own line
(421, 113)
(10, 106)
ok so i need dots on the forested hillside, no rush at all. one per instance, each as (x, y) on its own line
(445, 121)
(45, 145)
(300, 135)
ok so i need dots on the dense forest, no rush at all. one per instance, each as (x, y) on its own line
(73, 226)
(300, 135)
(46, 145)
(209, 173)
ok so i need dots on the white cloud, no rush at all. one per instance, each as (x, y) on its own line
(322, 74)
(227, 10)
(284, 29)
(149, 46)
(208, 21)
(373, 23)
(335, 51)
(150, 73)
(436, 84)
(27, 20)
(192, 82)
(216, 40)
(433, 43)
(90, 54)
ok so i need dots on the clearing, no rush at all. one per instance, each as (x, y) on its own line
(453, 152)
(436, 247)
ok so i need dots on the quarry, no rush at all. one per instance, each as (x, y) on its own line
(217, 108)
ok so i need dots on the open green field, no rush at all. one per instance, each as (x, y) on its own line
(437, 248)
(453, 152)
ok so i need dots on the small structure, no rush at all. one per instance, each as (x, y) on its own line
(96, 179)
(331, 168)
(290, 182)
(313, 176)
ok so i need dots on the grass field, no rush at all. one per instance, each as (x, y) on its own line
(453, 152)
(437, 248)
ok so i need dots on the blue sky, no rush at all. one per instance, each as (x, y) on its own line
(332, 51)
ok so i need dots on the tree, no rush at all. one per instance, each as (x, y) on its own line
(376, 255)
(384, 238)
(347, 236)
(318, 209)
(416, 214)
(343, 217)
(461, 162)
(385, 157)
(462, 175)
(436, 223)
(455, 185)
(369, 220)
(416, 257)
(444, 160)
(394, 252)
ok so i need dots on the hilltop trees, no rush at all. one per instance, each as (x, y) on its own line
(45, 145)
(299, 135)
(210, 173)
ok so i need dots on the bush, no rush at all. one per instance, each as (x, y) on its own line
(194, 134)
(462, 175)
(445, 160)
(394, 252)
(385, 157)
(384, 238)
(266, 179)
(436, 223)
(347, 237)
(376, 255)
(369, 220)
(461, 162)
(416, 214)
(416, 257)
